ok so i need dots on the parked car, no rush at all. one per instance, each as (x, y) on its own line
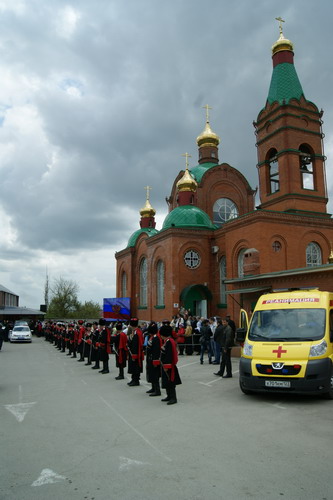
(21, 322)
(20, 333)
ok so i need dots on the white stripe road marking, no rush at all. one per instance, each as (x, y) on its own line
(19, 410)
(188, 364)
(136, 431)
(277, 405)
(47, 476)
(128, 463)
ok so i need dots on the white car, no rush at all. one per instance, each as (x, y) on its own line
(20, 333)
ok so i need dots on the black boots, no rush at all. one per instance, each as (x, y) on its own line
(156, 390)
(121, 374)
(171, 398)
(135, 381)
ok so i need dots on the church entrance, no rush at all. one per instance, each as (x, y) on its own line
(200, 308)
(195, 299)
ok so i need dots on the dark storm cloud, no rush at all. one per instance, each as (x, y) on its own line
(99, 99)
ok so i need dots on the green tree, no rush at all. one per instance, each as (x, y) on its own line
(89, 309)
(64, 303)
(64, 299)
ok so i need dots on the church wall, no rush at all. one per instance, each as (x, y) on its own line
(262, 234)
(224, 181)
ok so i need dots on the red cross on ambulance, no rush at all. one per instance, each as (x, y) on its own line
(279, 351)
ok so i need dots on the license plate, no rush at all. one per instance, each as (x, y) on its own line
(277, 383)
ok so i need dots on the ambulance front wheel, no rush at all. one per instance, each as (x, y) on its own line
(243, 389)
(329, 394)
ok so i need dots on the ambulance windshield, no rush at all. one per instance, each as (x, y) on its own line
(287, 325)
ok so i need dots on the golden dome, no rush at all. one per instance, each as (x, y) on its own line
(208, 137)
(282, 43)
(147, 210)
(187, 183)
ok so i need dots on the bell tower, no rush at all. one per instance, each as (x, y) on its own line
(289, 141)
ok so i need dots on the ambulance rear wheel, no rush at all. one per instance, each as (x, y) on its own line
(329, 394)
(245, 391)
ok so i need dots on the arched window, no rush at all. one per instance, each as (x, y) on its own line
(223, 275)
(224, 210)
(124, 285)
(306, 167)
(313, 255)
(241, 263)
(273, 169)
(143, 282)
(160, 283)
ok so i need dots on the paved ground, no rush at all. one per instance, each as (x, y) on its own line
(68, 432)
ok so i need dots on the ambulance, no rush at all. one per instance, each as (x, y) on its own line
(288, 344)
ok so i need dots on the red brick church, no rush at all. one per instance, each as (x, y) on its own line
(217, 251)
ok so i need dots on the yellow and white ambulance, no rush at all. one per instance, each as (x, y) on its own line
(288, 344)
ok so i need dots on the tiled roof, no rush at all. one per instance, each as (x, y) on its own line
(199, 171)
(150, 231)
(20, 311)
(188, 216)
(4, 289)
(285, 84)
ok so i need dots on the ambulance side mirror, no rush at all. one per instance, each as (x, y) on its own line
(240, 335)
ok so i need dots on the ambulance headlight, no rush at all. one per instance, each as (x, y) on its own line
(247, 349)
(318, 349)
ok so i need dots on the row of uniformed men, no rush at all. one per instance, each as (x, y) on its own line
(94, 342)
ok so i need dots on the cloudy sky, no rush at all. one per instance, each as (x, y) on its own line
(99, 98)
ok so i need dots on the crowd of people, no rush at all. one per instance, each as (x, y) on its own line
(92, 343)
(158, 344)
(215, 335)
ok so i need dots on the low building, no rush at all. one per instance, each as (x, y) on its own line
(11, 311)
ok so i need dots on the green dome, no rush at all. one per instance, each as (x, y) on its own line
(150, 231)
(199, 171)
(188, 216)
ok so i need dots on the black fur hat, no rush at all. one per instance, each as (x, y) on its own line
(152, 328)
(134, 322)
(166, 331)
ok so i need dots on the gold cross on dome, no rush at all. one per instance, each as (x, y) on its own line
(187, 156)
(207, 108)
(147, 188)
(280, 24)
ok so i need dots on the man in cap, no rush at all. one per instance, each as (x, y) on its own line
(104, 346)
(169, 359)
(153, 363)
(120, 347)
(136, 354)
(95, 343)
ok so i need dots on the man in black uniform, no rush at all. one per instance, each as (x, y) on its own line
(95, 343)
(104, 346)
(169, 359)
(121, 350)
(135, 349)
(153, 363)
